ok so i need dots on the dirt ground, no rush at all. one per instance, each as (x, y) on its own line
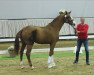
(64, 66)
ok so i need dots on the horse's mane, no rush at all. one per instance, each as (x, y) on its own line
(55, 20)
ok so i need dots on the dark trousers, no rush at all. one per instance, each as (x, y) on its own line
(85, 43)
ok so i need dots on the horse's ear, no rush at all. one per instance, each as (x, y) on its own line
(66, 12)
(69, 12)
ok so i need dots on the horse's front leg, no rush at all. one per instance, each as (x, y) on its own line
(28, 53)
(21, 55)
(51, 62)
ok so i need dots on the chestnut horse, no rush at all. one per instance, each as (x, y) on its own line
(42, 35)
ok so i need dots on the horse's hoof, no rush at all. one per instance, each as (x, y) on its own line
(22, 67)
(32, 68)
(51, 65)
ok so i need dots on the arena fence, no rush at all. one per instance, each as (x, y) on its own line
(9, 27)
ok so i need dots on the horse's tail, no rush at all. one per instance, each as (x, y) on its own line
(16, 43)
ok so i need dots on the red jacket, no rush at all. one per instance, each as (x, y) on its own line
(83, 31)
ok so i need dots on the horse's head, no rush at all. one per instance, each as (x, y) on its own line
(67, 18)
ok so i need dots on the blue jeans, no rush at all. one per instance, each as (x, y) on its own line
(79, 44)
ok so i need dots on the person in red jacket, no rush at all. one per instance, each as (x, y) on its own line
(82, 34)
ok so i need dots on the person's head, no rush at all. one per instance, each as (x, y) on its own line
(82, 20)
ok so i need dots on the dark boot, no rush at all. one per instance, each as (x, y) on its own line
(87, 58)
(75, 62)
(87, 63)
(77, 57)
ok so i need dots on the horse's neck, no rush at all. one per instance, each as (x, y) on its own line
(57, 23)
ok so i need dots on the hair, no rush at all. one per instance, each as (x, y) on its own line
(82, 18)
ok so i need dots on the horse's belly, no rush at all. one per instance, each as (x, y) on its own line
(46, 40)
(43, 40)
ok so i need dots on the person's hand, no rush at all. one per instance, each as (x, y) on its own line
(75, 27)
(78, 31)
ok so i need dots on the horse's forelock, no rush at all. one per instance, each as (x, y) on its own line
(62, 11)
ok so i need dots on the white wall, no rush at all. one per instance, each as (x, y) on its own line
(44, 8)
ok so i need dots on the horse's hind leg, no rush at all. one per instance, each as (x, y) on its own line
(50, 58)
(28, 52)
(21, 55)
